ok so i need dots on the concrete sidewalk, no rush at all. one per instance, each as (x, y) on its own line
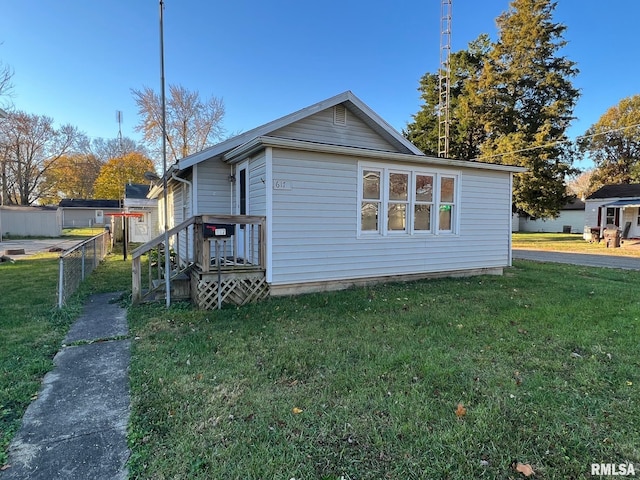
(76, 428)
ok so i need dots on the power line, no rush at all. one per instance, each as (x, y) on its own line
(557, 142)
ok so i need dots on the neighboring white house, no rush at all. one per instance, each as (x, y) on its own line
(617, 205)
(144, 227)
(570, 220)
(348, 200)
(87, 212)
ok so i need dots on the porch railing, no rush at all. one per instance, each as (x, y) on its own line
(78, 262)
(209, 243)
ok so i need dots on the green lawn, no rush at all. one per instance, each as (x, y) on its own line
(365, 383)
(564, 242)
(32, 329)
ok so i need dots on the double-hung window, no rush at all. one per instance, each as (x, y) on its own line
(371, 203)
(423, 204)
(447, 204)
(411, 201)
(398, 201)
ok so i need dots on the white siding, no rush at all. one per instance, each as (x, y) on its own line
(591, 211)
(321, 129)
(314, 230)
(213, 188)
(568, 218)
(257, 190)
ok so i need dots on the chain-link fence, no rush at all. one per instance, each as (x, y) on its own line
(77, 263)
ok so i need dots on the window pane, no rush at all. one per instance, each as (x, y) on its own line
(445, 217)
(398, 186)
(369, 216)
(422, 220)
(371, 185)
(397, 216)
(446, 189)
(424, 188)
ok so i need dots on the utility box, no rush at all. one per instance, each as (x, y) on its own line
(612, 237)
(218, 230)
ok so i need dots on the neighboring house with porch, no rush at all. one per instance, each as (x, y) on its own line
(332, 196)
(571, 219)
(144, 226)
(617, 205)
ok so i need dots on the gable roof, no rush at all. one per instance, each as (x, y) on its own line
(623, 190)
(574, 203)
(88, 203)
(136, 190)
(353, 103)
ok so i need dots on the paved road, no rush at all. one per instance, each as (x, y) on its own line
(586, 259)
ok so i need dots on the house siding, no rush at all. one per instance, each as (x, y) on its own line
(213, 188)
(321, 129)
(575, 219)
(314, 227)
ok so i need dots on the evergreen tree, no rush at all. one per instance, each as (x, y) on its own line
(528, 98)
(466, 132)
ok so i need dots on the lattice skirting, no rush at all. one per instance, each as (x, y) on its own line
(235, 288)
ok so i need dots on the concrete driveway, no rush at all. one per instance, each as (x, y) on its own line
(586, 259)
(36, 246)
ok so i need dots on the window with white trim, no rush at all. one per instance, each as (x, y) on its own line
(416, 201)
(398, 201)
(423, 203)
(371, 201)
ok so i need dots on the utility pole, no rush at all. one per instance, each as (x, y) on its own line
(167, 269)
(444, 79)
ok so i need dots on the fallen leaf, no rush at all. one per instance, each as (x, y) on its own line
(4, 467)
(297, 410)
(525, 469)
(461, 411)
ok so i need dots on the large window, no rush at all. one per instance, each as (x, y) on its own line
(394, 201)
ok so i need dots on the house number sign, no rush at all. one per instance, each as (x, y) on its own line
(281, 184)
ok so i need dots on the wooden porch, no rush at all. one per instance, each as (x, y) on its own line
(215, 259)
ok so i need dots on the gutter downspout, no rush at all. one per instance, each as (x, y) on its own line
(187, 182)
(182, 180)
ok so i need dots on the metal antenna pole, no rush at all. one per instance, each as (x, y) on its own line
(444, 79)
(167, 269)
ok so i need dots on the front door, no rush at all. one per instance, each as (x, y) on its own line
(242, 206)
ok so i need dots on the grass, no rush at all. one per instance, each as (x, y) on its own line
(31, 332)
(365, 383)
(565, 242)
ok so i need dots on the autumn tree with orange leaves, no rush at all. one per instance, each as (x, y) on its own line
(118, 172)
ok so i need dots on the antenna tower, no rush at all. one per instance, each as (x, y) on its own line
(119, 120)
(444, 78)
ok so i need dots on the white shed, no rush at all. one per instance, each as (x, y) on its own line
(348, 200)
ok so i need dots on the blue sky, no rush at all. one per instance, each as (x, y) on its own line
(76, 60)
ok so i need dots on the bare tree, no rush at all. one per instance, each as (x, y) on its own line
(580, 185)
(106, 149)
(191, 123)
(6, 74)
(31, 145)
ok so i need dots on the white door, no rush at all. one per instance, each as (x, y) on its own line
(242, 206)
(139, 228)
